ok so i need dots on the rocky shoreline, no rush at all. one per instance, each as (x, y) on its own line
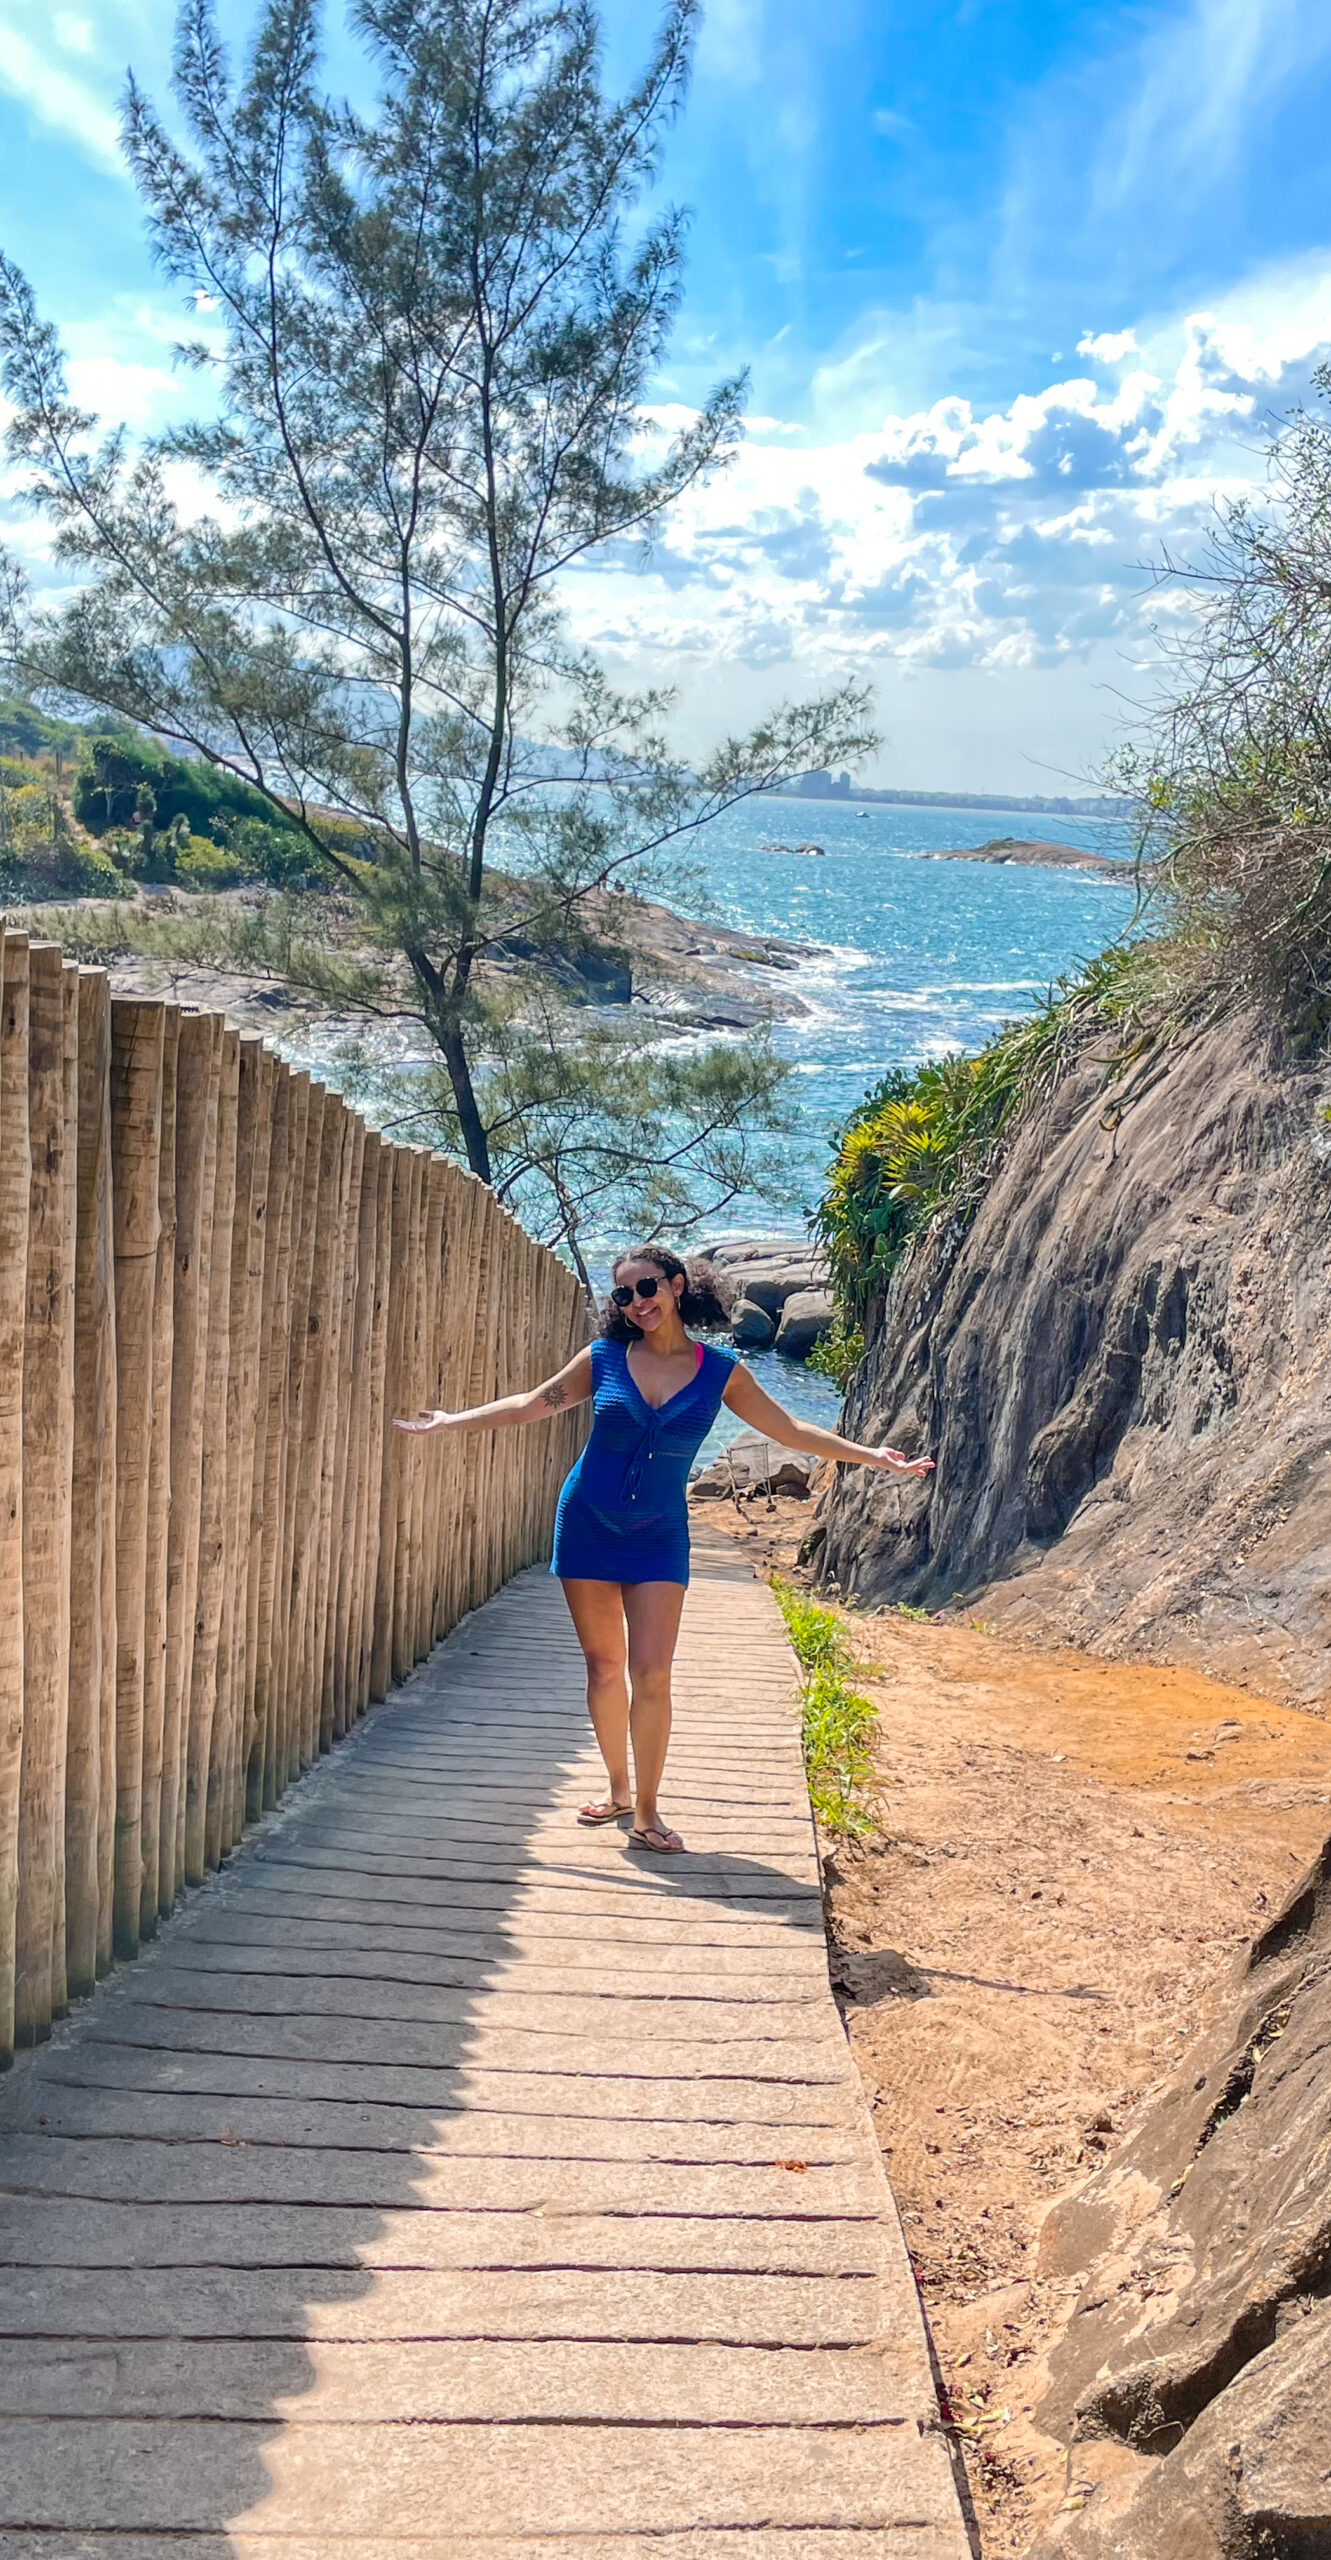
(770, 1292)
(684, 973)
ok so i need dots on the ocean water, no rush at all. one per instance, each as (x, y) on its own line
(914, 959)
(909, 959)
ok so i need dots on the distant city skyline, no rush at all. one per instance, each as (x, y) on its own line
(1022, 291)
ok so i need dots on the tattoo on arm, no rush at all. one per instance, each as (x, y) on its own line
(553, 1395)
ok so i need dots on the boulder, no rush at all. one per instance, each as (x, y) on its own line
(751, 1325)
(754, 1465)
(1252, 2475)
(765, 1271)
(1201, 2339)
(805, 1317)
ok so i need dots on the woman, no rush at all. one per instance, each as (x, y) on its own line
(622, 1529)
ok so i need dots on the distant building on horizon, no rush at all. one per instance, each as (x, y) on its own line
(820, 785)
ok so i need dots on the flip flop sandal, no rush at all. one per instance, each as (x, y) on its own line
(592, 1816)
(661, 1843)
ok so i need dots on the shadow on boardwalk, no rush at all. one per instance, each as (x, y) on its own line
(451, 2180)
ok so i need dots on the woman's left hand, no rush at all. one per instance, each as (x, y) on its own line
(897, 1464)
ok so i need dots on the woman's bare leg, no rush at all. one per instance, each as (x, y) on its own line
(653, 1612)
(597, 1611)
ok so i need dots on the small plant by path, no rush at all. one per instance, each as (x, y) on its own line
(838, 1722)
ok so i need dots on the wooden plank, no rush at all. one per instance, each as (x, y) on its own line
(835, 2312)
(523, 2480)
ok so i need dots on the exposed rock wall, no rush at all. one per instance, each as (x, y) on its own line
(1192, 2385)
(1123, 1368)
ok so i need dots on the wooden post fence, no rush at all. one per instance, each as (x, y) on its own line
(217, 1287)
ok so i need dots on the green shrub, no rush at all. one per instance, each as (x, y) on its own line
(128, 781)
(838, 1723)
(201, 864)
(839, 1353)
(923, 1140)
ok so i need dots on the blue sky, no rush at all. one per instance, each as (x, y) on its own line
(1020, 284)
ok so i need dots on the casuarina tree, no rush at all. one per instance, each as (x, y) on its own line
(433, 329)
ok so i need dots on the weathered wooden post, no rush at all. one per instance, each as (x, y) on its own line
(90, 1761)
(381, 1661)
(199, 1791)
(270, 1384)
(300, 1463)
(317, 1389)
(349, 1385)
(159, 1490)
(358, 1325)
(198, 1070)
(333, 1436)
(137, 1034)
(15, 1207)
(253, 1141)
(371, 1488)
(48, 1470)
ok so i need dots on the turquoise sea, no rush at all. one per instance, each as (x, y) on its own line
(914, 958)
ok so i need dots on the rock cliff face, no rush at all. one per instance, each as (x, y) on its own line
(1192, 2385)
(1123, 1368)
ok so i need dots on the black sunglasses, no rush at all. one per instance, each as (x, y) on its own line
(624, 1296)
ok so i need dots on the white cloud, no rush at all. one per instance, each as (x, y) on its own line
(1010, 543)
(1201, 76)
(66, 104)
(1109, 348)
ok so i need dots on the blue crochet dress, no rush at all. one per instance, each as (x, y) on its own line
(623, 1516)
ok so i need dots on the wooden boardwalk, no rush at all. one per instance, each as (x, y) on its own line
(451, 2181)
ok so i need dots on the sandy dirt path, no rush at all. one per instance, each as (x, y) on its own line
(1070, 1852)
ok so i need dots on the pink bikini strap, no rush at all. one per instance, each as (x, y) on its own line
(698, 1362)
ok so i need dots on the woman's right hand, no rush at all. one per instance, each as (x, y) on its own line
(430, 1420)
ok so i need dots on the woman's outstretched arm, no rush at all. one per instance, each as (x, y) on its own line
(571, 1385)
(754, 1405)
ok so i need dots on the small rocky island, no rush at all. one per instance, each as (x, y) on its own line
(1034, 851)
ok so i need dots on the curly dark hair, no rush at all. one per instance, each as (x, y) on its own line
(696, 1303)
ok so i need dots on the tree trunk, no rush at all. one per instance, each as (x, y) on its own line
(470, 1124)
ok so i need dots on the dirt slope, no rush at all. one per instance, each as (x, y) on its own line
(1124, 1369)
